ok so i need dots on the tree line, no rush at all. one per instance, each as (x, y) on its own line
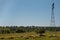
(23, 29)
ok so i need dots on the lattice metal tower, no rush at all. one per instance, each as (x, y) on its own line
(52, 16)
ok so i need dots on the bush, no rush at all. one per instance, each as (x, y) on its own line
(11, 38)
(41, 32)
(2, 38)
(5, 31)
(20, 31)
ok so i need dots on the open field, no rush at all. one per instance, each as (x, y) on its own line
(29, 33)
(31, 36)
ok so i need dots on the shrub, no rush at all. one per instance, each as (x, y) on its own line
(20, 31)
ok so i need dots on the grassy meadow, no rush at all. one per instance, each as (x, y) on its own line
(29, 33)
(31, 36)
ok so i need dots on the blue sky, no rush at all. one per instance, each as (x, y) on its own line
(28, 12)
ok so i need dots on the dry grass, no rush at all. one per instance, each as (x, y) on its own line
(31, 36)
